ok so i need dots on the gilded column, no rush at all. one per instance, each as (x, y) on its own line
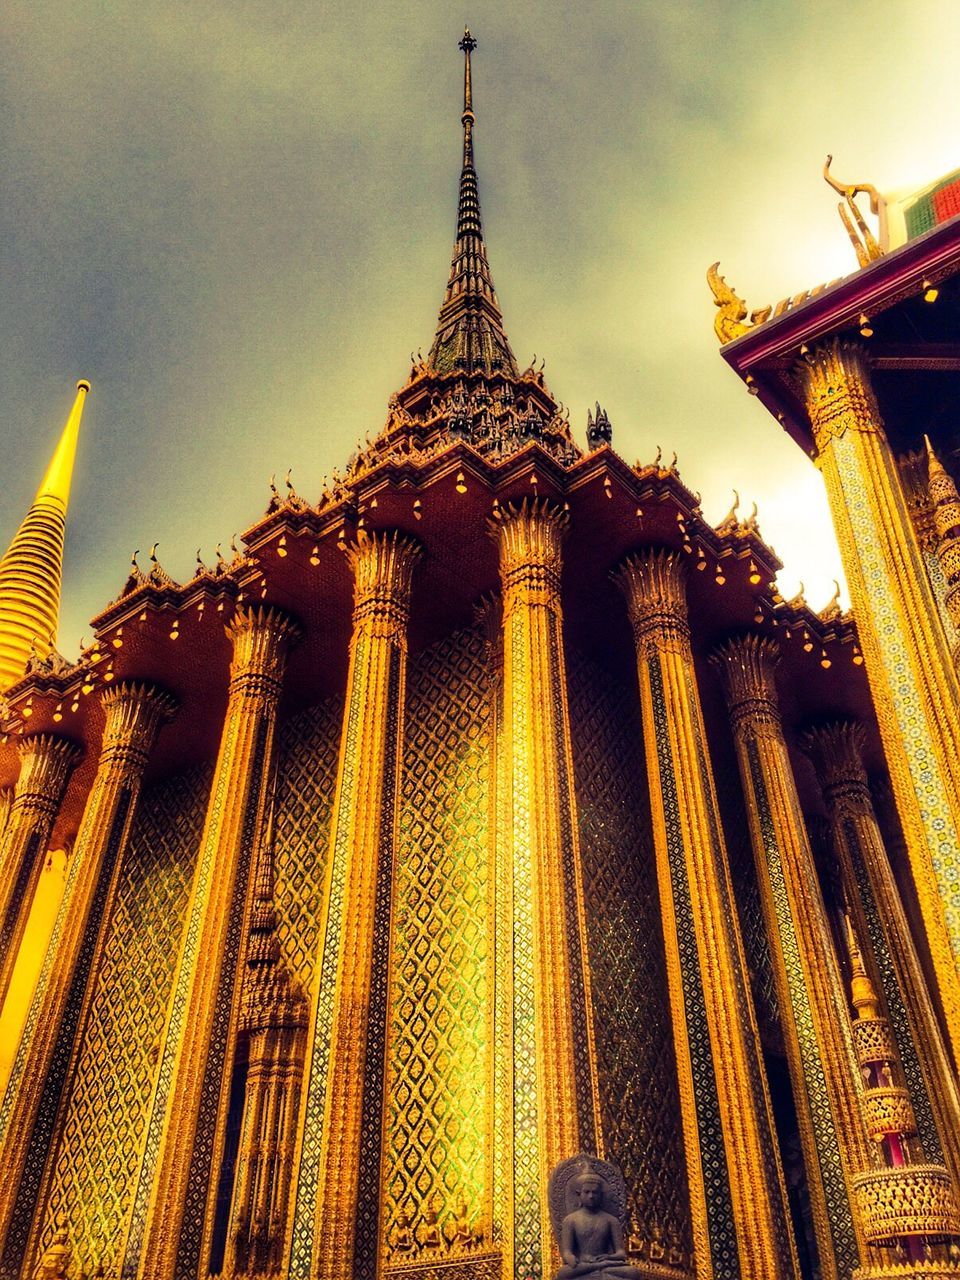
(877, 910)
(489, 614)
(906, 1203)
(823, 1069)
(341, 1186)
(273, 1021)
(46, 762)
(134, 714)
(171, 1224)
(737, 1196)
(912, 677)
(553, 1086)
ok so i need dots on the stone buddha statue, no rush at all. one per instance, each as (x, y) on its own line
(587, 1200)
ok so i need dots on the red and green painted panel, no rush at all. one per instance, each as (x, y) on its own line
(938, 204)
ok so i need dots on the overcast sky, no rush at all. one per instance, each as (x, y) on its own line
(235, 218)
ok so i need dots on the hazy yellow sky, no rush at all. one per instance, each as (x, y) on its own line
(236, 218)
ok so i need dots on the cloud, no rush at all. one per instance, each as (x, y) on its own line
(236, 220)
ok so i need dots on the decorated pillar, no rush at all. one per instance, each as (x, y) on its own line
(876, 909)
(908, 1207)
(46, 762)
(549, 1077)
(28, 1117)
(171, 1225)
(813, 1006)
(273, 1022)
(489, 614)
(912, 677)
(737, 1197)
(339, 1193)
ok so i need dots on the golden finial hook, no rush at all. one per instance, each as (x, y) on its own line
(851, 189)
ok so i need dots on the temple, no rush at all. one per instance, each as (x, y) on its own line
(493, 811)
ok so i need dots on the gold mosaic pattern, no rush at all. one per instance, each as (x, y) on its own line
(97, 1164)
(804, 999)
(901, 705)
(438, 1065)
(306, 780)
(938, 584)
(637, 1075)
(756, 944)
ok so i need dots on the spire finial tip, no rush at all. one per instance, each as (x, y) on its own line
(467, 44)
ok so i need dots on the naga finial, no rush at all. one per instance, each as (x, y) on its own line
(850, 189)
(865, 244)
(730, 519)
(732, 310)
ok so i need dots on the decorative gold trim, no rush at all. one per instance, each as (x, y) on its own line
(918, 1200)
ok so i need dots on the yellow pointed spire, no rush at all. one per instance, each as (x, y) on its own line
(864, 996)
(31, 570)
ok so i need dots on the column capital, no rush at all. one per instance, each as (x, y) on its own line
(530, 536)
(654, 584)
(747, 666)
(836, 751)
(45, 763)
(135, 711)
(383, 565)
(261, 637)
(839, 393)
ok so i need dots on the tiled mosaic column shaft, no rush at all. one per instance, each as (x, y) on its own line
(46, 762)
(816, 1026)
(874, 903)
(170, 1224)
(737, 1197)
(489, 615)
(912, 676)
(554, 1091)
(28, 1118)
(274, 1018)
(340, 1169)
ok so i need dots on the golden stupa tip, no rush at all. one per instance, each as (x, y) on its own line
(83, 385)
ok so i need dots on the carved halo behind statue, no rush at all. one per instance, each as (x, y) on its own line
(587, 1199)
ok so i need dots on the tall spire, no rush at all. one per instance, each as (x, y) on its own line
(31, 570)
(470, 334)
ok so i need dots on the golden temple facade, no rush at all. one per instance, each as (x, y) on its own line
(495, 809)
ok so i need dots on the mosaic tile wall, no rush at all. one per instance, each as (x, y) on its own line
(438, 1137)
(639, 1101)
(98, 1159)
(309, 743)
